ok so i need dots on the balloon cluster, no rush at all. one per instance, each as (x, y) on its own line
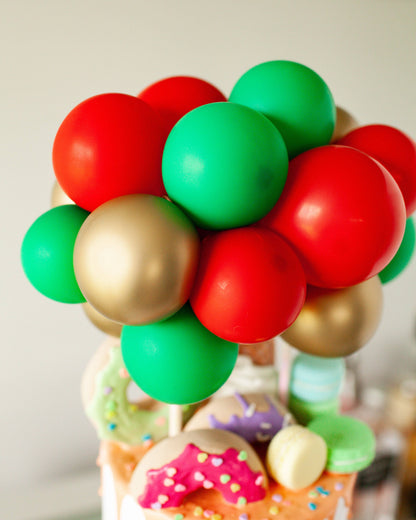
(199, 222)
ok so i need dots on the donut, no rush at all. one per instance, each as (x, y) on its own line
(255, 417)
(200, 459)
(104, 396)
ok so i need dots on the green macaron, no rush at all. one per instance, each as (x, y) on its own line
(351, 443)
(305, 412)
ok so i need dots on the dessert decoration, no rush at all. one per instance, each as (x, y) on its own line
(277, 89)
(108, 146)
(305, 411)
(277, 207)
(247, 377)
(123, 242)
(344, 123)
(373, 235)
(209, 152)
(174, 97)
(399, 158)
(235, 311)
(255, 417)
(208, 459)
(351, 443)
(104, 394)
(176, 360)
(315, 379)
(336, 323)
(47, 253)
(403, 255)
(295, 458)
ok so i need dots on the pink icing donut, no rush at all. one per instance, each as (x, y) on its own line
(207, 459)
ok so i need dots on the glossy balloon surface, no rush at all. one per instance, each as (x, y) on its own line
(250, 285)
(294, 97)
(336, 323)
(177, 360)
(47, 253)
(174, 97)
(395, 150)
(403, 256)
(225, 165)
(107, 146)
(135, 259)
(342, 212)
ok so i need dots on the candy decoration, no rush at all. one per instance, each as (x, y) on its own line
(342, 212)
(174, 97)
(135, 259)
(336, 323)
(104, 394)
(351, 443)
(296, 457)
(395, 150)
(250, 285)
(107, 146)
(177, 360)
(225, 165)
(47, 253)
(403, 255)
(295, 99)
(147, 483)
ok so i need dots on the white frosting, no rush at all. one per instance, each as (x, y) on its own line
(109, 496)
(130, 509)
(342, 511)
(249, 378)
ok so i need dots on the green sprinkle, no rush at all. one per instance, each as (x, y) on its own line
(242, 455)
(178, 517)
(242, 501)
(225, 478)
(111, 406)
(313, 494)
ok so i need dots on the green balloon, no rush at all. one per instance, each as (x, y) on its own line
(403, 255)
(177, 360)
(225, 165)
(47, 253)
(294, 98)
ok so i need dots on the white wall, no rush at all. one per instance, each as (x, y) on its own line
(55, 54)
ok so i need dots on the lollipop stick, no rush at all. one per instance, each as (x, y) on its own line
(175, 419)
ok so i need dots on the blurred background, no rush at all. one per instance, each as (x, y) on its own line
(54, 54)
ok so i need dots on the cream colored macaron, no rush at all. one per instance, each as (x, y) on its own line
(296, 457)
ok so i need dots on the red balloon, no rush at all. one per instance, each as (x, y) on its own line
(342, 212)
(174, 97)
(107, 146)
(250, 285)
(394, 150)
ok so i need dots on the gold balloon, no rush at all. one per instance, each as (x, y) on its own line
(135, 259)
(110, 327)
(336, 323)
(344, 123)
(59, 197)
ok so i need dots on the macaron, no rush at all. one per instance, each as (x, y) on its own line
(351, 443)
(296, 457)
(315, 379)
(304, 412)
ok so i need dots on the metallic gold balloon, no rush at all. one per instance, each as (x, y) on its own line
(110, 327)
(344, 123)
(59, 197)
(135, 259)
(336, 323)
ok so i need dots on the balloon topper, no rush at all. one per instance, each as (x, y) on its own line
(199, 223)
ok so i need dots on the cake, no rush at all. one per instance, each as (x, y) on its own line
(201, 229)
